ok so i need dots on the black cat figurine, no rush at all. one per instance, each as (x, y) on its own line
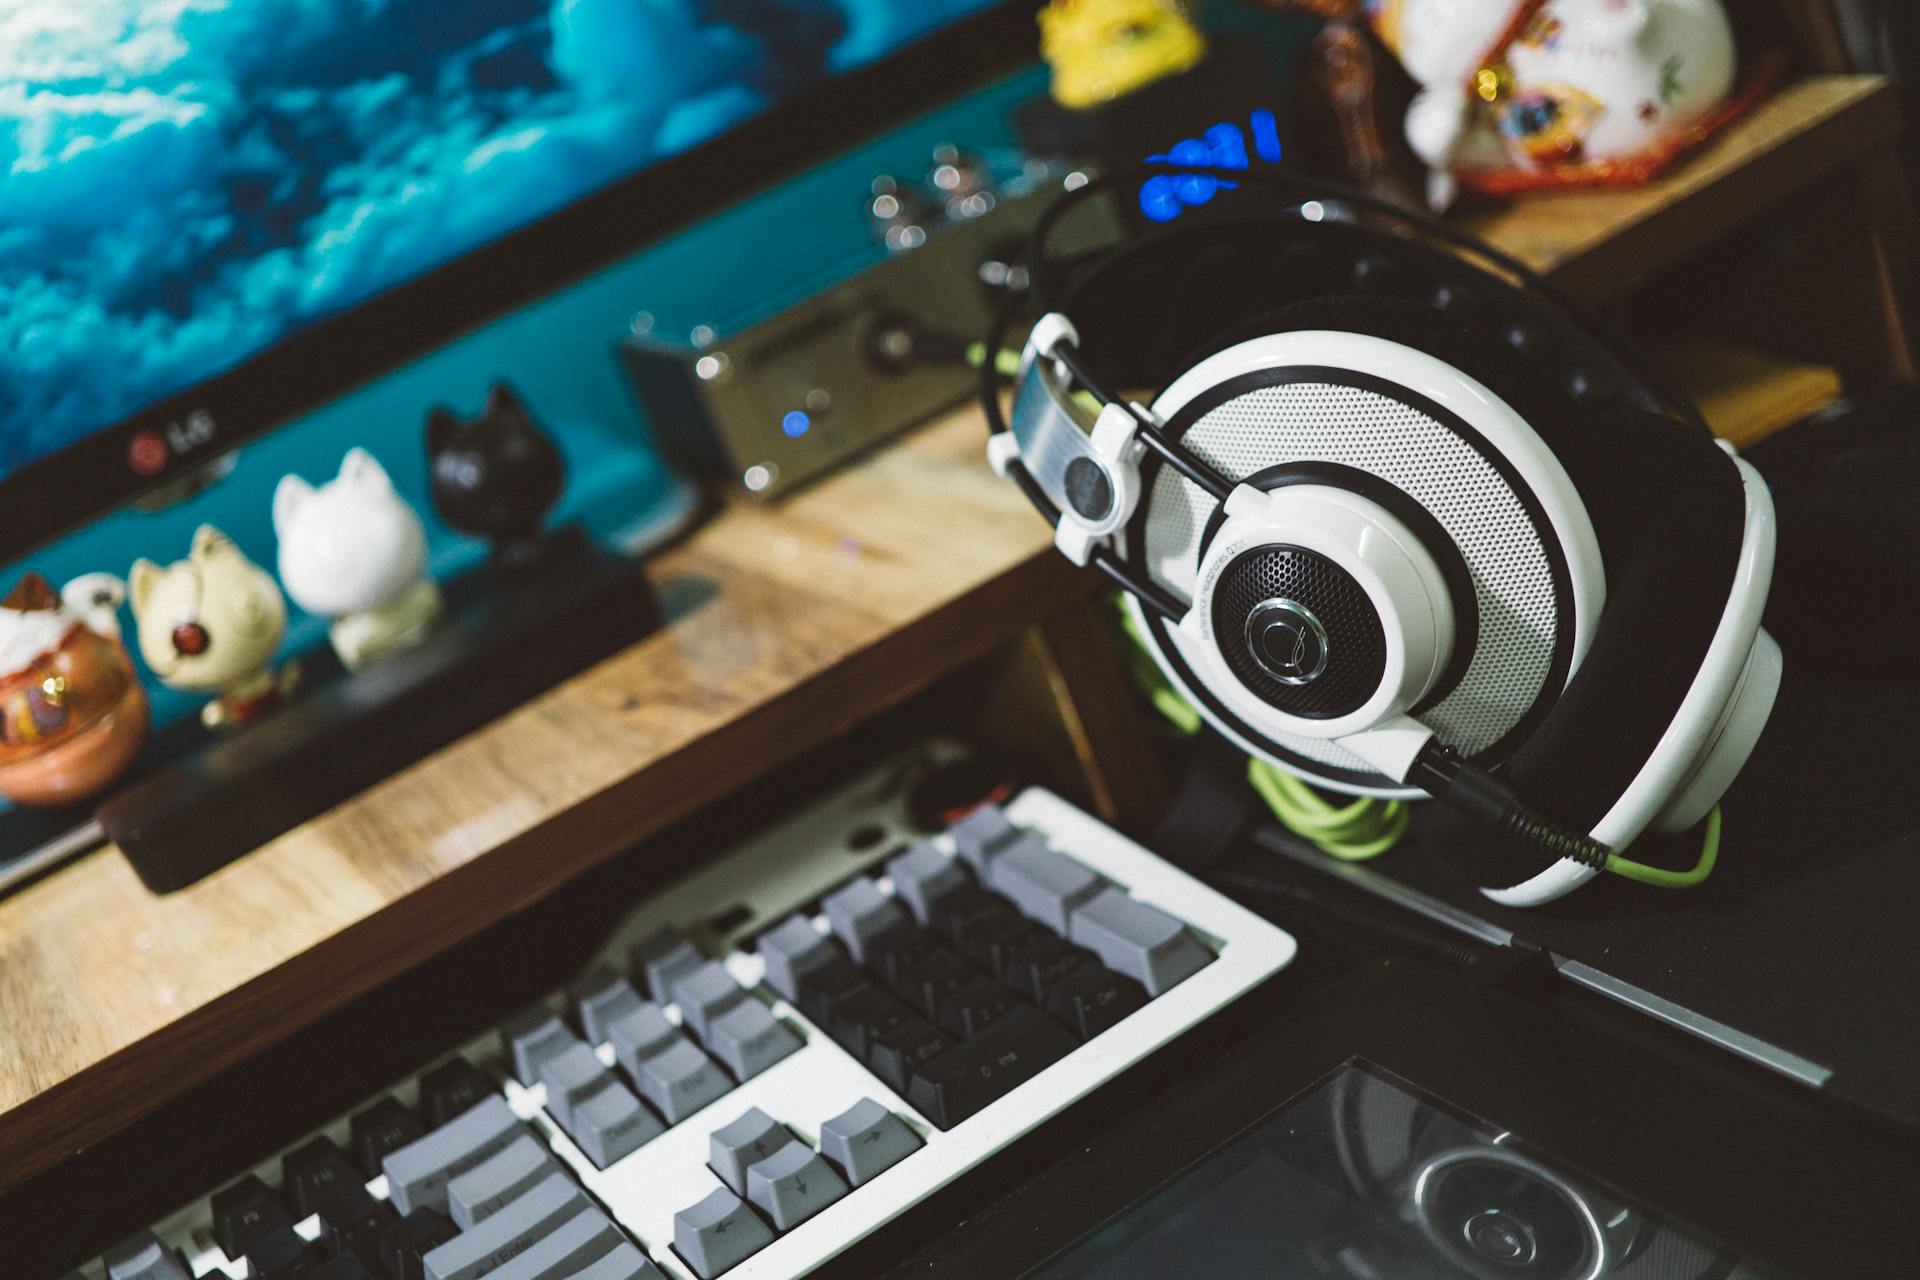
(495, 474)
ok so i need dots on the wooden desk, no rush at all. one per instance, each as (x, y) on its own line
(785, 626)
(1601, 243)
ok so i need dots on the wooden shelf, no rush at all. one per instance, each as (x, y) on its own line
(785, 627)
(1747, 395)
(1600, 243)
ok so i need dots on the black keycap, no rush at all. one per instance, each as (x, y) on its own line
(245, 1214)
(451, 1088)
(977, 1006)
(998, 946)
(822, 990)
(967, 1077)
(280, 1255)
(409, 1240)
(358, 1236)
(344, 1267)
(1036, 968)
(928, 977)
(320, 1180)
(1093, 998)
(862, 1017)
(384, 1127)
(967, 913)
(896, 1054)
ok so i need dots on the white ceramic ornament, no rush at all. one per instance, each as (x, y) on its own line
(354, 551)
(1516, 94)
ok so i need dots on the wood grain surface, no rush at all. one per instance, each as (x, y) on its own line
(1600, 243)
(785, 626)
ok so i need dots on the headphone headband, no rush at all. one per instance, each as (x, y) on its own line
(1046, 271)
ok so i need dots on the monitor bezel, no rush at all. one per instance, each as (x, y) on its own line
(72, 486)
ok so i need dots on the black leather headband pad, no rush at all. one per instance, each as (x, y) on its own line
(1666, 505)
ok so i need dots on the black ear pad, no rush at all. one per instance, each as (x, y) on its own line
(1667, 508)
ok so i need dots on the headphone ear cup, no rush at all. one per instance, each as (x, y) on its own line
(1470, 345)
(1668, 512)
(1665, 598)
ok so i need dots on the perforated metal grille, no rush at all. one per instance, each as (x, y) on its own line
(1356, 651)
(1317, 421)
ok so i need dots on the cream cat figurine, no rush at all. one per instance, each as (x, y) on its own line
(1519, 94)
(211, 624)
(354, 551)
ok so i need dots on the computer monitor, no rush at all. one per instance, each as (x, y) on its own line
(214, 214)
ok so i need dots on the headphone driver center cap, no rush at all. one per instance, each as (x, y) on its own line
(1287, 641)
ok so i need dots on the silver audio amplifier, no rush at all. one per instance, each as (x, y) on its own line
(785, 399)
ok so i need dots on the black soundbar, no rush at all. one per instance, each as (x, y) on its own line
(503, 639)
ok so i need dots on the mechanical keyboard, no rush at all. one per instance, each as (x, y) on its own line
(765, 1063)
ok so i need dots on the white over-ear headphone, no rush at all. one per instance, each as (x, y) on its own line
(1402, 527)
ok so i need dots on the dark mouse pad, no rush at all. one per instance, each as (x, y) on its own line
(1807, 936)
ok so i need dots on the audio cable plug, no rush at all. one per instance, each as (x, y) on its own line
(1440, 771)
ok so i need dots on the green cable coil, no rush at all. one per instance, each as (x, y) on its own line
(1368, 826)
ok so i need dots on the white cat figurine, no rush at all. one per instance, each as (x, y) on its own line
(1521, 94)
(354, 551)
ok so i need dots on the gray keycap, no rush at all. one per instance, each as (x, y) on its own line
(705, 994)
(982, 834)
(612, 1125)
(860, 914)
(663, 958)
(680, 1080)
(1142, 942)
(507, 1174)
(748, 1140)
(923, 875)
(418, 1173)
(572, 1078)
(624, 1263)
(718, 1233)
(145, 1257)
(575, 1243)
(603, 997)
(792, 948)
(1044, 884)
(749, 1039)
(533, 1036)
(792, 1185)
(509, 1232)
(867, 1139)
(639, 1036)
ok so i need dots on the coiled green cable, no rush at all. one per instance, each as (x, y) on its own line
(1353, 832)
(1369, 826)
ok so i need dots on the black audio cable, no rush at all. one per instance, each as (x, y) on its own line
(1442, 773)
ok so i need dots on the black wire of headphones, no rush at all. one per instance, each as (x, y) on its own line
(1440, 770)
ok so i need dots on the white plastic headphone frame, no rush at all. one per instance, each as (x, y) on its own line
(1719, 720)
(1395, 570)
(1499, 425)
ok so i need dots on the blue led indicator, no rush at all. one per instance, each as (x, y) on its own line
(795, 424)
(1224, 146)
(1266, 135)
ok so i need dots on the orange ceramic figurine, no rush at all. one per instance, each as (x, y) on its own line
(72, 713)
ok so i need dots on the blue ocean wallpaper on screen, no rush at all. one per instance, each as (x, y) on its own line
(185, 182)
